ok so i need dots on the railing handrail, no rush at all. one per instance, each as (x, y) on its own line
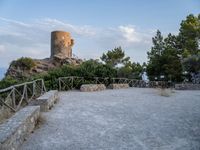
(106, 78)
(68, 81)
(18, 85)
(16, 96)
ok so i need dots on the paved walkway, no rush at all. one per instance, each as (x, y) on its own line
(126, 119)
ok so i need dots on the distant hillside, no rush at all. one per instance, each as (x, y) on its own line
(2, 72)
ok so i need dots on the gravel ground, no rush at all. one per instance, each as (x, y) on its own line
(125, 119)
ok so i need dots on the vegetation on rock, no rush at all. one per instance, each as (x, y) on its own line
(24, 63)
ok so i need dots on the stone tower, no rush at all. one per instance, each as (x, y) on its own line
(61, 45)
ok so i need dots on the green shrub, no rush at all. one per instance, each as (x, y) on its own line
(93, 68)
(8, 81)
(88, 69)
(24, 63)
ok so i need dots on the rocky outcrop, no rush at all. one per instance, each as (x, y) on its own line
(41, 66)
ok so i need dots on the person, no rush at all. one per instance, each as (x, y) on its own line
(145, 77)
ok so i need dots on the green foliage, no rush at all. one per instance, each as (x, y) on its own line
(125, 72)
(93, 68)
(154, 56)
(189, 37)
(164, 59)
(24, 63)
(175, 54)
(172, 66)
(7, 81)
(137, 70)
(50, 77)
(185, 53)
(130, 70)
(158, 46)
(192, 64)
(189, 34)
(87, 69)
(115, 57)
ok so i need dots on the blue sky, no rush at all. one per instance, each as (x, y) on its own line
(96, 25)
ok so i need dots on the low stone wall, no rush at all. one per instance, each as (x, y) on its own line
(92, 87)
(187, 86)
(46, 101)
(18, 127)
(118, 86)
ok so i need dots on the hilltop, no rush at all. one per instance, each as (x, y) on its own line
(61, 54)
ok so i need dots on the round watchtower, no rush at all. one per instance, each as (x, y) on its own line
(61, 44)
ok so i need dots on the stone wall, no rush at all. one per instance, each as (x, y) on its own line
(61, 45)
(18, 127)
(92, 87)
(118, 86)
(187, 86)
(46, 101)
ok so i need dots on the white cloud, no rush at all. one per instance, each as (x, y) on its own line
(32, 39)
(18, 23)
(54, 24)
(130, 34)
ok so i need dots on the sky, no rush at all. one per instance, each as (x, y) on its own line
(96, 25)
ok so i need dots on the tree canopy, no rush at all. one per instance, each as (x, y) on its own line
(164, 58)
(173, 55)
(115, 57)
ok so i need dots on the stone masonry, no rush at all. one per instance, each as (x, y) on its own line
(118, 86)
(92, 87)
(18, 127)
(46, 101)
(61, 44)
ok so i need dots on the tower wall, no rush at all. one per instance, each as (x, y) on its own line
(61, 44)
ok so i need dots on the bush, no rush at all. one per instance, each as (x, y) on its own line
(24, 63)
(8, 81)
(93, 68)
(88, 69)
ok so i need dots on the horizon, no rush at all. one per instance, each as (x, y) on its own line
(96, 26)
